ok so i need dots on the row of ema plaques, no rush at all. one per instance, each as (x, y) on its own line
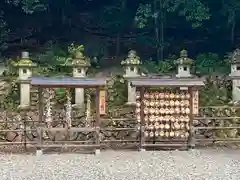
(166, 114)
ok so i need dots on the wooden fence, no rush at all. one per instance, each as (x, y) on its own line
(116, 132)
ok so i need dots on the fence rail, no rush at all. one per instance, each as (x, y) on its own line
(25, 133)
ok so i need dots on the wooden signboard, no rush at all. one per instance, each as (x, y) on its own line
(102, 101)
(195, 102)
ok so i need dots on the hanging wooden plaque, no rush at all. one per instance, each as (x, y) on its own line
(195, 102)
(102, 101)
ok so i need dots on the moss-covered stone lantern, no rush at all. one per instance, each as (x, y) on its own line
(80, 65)
(131, 66)
(25, 66)
(78, 61)
(235, 74)
(184, 65)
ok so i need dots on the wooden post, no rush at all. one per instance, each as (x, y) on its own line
(191, 143)
(68, 114)
(40, 109)
(40, 106)
(142, 123)
(25, 131)
(214, 130)
(97, 125)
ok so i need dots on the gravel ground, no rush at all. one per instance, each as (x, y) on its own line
(121, 165)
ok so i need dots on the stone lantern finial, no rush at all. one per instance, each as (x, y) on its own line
(80, 60)
(77, 58)
(184, 59)
(132, 59)
(184, 64)
(183, 53)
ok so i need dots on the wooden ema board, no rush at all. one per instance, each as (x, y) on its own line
(102, 107)
(166, 115)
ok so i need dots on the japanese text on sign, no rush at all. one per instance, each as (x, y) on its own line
(102, 105)
(195, 102)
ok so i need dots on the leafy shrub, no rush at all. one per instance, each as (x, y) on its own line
(208, 63)
(163, 67)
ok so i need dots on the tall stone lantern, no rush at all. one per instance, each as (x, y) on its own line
(184, 65)
(131, 66)
(25, 66)
(80, 65)
(235, 75)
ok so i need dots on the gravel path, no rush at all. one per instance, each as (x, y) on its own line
(120, 165)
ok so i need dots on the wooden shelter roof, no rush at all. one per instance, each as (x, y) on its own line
(165, 82)
(68, 82)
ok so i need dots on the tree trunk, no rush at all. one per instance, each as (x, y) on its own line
(233, 31)
(162, 30)
(156, 27)
(117, 47)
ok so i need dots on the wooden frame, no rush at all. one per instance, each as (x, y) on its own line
(96, 83)
(187, 83)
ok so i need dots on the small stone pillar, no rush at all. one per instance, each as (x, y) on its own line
(80, 64)
(25, 66)
(235, 75)
(184, 65)
(131, 67)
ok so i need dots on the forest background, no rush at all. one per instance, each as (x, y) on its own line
(156, 29)
(108, 29)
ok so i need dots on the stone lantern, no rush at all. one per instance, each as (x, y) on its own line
(131, 67)
(184, 65)
(235, 75)
(25, 66)
(80, 64)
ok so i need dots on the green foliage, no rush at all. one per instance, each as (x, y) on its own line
(73, 49)
(60, 95)
(149, 66)
(215, 92)
(30, 6)
(114, 19)
(11, 70)
(167, 66)
(194, 11)
(116, 91)
(143, 15)
(3, 32)
(12, 97)
(163, 67)
(51, 60)
(207, 63)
